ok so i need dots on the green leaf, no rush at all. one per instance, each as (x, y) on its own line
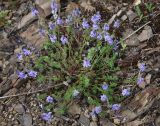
(91, 53)
(84, 81)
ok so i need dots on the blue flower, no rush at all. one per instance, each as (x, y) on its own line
(93, 34)
(93, 113)
(106, 27)
(142, 67)
(116, 24)
(32, 73)
(64, 39)
(51, 26)
(42, 32)
(126, 92)
(108, 38)
(20, 56)
(95, 26)
(49, 99)
(99, 36)
(105, 86)
(103, 98)
(59, 21)
(54, 7)
(98, 109)
(22, 75)
(96, 18)
(140, 80)
(75, 93)
(47, 116)
(34, 12)
(85, 24)
(53, 38)
(26, 52)
(116, 107)
(86, 63)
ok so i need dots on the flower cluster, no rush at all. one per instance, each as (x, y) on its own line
(28, 73)
(67, 53)
(142, 68)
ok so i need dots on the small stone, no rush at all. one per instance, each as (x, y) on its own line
(27, 118)
(146, 34)
(119, 13)
(148, 78)
(124, 17)
(19, 108)
(74, 109)
(132, 40)
(157, 121)
(84, 120)
(112, 19)
(131, 15)
(93, 124)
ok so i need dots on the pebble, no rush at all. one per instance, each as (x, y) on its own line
(93, 124)
(19, 108)
(124, 17)
(131, 15)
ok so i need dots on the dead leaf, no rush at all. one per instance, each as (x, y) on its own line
(71, 6)
(134, 123)
(87, 6)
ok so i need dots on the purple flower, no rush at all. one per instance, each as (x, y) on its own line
(96, 17)
(51, 26)
(59, 21)
(126, 92)
(22, 75)
(47, 116)
(108, 38)
(76, 12)
(93, 34)
(20, 56)
(42, 32)
(98, 109)
(64, 39)
(32, 73)
(99, 36)
(75, 93)
(105, 86)
(93, 113)
(26, 52)
(49, 99)
(116, 24)
(54, 7)
(95, 26)
(142, 67)
(85, 24)
(116, 107)
(53, 38)
(106, 27)
(103, 98)
(140, 80)
(34, 12)
(86, 63)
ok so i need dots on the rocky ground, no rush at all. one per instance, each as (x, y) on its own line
(142, 108)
